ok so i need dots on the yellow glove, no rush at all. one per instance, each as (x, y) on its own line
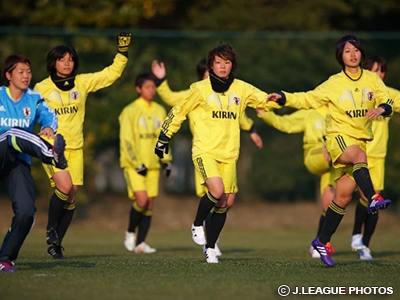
(123, 41)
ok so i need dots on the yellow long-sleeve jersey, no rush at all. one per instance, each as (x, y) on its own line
(348, 100)
(310, 122)
(216, 117)
(378, 146)
(140, 124)
(69, 106)
(172, 98)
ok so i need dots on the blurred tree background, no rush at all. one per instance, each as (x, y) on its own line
(281, 44)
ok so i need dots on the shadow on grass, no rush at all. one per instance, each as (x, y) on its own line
(189, 248)
(69, 261)
(380, 254)
(56, 264)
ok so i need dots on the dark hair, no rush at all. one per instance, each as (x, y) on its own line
(224, 51)
(371, 60)
(142, 77)
(11, 62)
(59, 52)
(352, 39)
(201, 68)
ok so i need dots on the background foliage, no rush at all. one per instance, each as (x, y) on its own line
(283, 44)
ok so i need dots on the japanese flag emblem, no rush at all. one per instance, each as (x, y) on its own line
(27, 111)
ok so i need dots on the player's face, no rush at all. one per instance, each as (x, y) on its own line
(221, 67)
(64, 66)
(351, 56)
(20, 77)
(377, 69)
(148, 90)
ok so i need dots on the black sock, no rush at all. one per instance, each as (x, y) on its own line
(363, 179)
(218, 219)
(321, 223)
(56, 208)
(144, 227)
(333, 217)
(135, 216)
(369, 228)
(65, 220)
(360, 216)
(208, 222)
(206, 203)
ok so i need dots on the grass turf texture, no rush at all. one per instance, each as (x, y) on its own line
(254, 264)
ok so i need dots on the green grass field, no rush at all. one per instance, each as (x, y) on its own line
(254, 264)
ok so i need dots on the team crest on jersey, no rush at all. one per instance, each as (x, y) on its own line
(74, 95)
(236, 100)
(370, 96)
(27, 111)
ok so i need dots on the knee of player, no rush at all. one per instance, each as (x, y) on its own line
(360, 156)
(217, 193)
(25, 214)
(66, 188)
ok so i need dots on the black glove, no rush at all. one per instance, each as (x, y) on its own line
(281, 101)
(162, 145)
(142, 170)
(167, 169)
(123, 41)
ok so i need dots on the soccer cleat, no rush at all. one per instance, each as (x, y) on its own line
(357, 242)
(211, 256)
(56, 251)
(58, 151)
(314, 253)
(324, 253)
(130, 241)
(7, 267)
(52, 237)
(144, 248)
(377, 202)
(198, 235)
(330, 248)
(217, 250)
(365, 253)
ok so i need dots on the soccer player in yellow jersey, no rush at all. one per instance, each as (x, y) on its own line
(311, 123)
(355, 97)
(376, 153)
(174, 97)
(140, 124)
(66, 92)
(217, 104)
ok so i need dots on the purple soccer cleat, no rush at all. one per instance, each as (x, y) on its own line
(58, 150)
(7, 267)
(378, 202)
(324, 252)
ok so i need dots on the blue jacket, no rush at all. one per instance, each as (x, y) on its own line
(30, 110)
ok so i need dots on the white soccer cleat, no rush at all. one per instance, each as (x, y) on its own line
(365, 253)
(357, 242)
(130, 241)
(211, 256)
(314, 253)
(217, 250)
(198, 235)
(144, 248)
